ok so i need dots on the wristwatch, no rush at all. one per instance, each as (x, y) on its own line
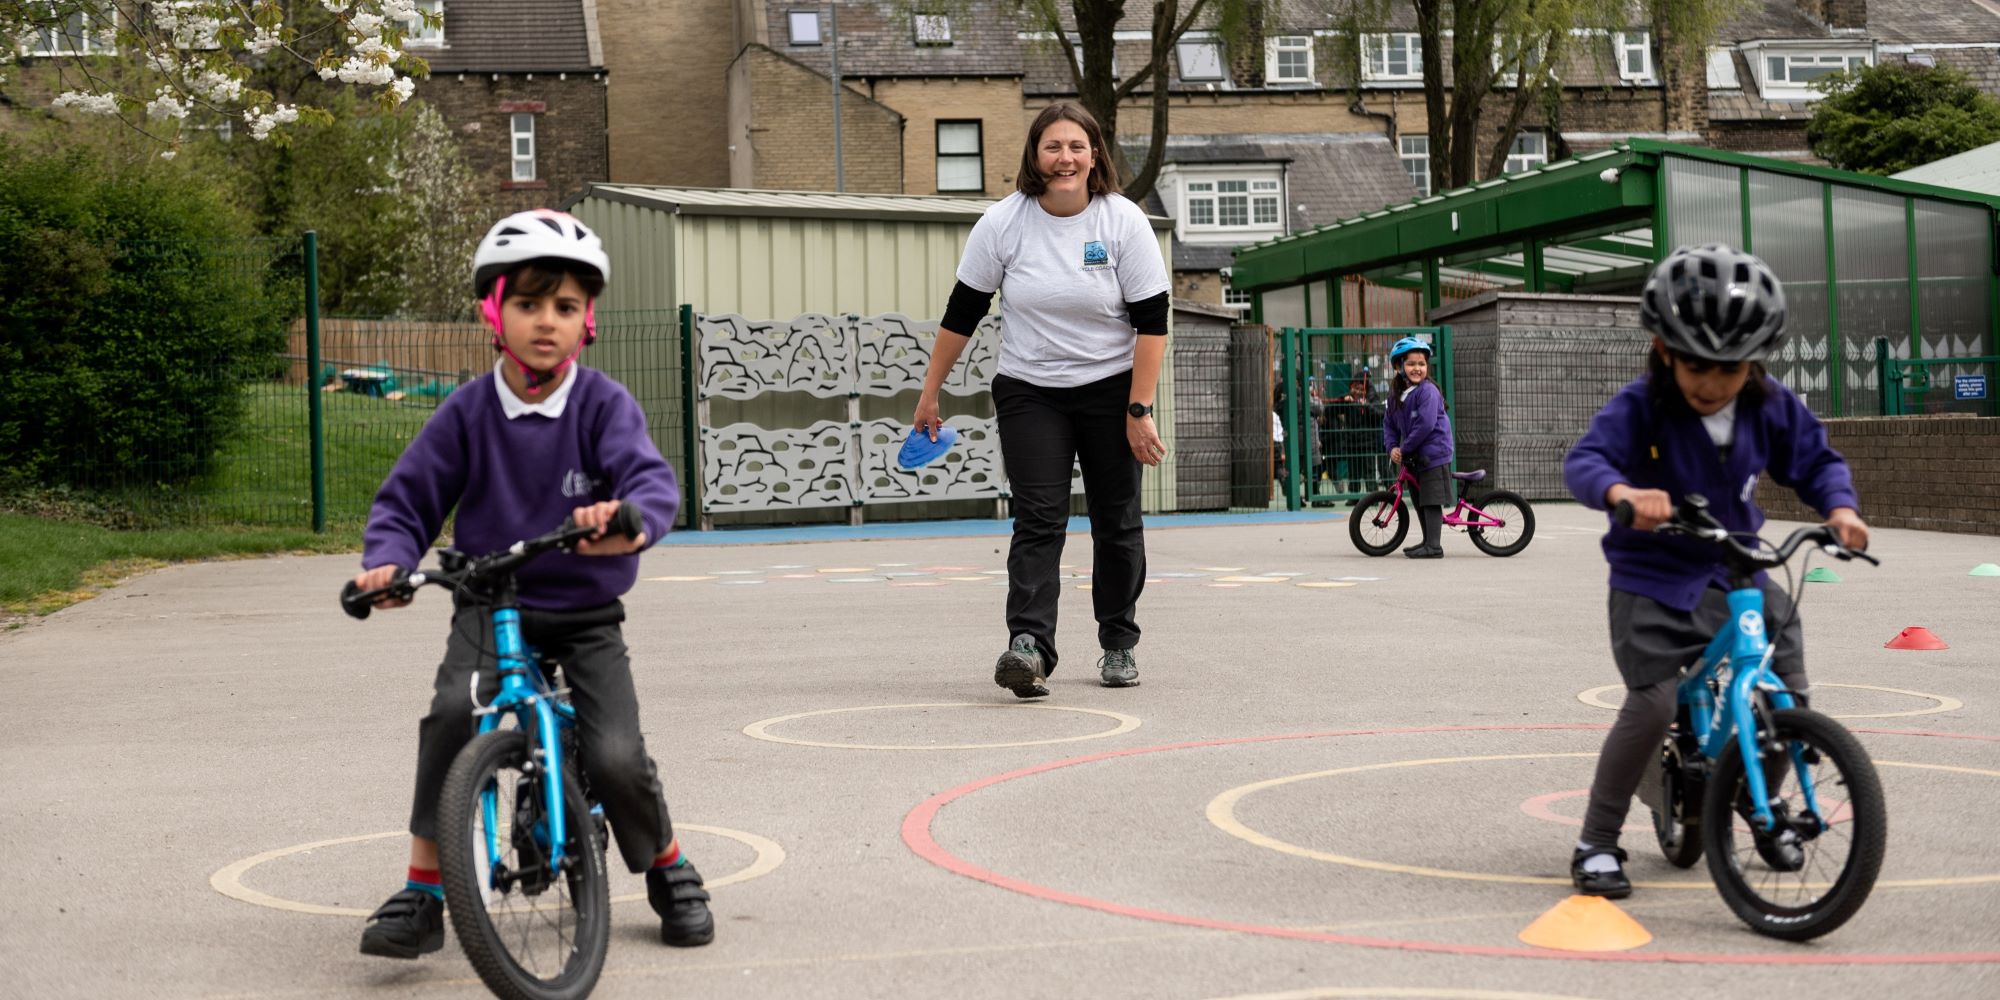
(1139, 409)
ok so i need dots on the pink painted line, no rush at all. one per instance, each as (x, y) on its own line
(917, 836)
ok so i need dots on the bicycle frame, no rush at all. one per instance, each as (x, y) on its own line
(1742, 640)
(1462, 514)
(524, 693)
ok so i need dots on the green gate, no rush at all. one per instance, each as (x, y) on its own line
(1937, 385)
(1333, 389)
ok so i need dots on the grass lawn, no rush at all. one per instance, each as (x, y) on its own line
(47, 565)
(263, 475)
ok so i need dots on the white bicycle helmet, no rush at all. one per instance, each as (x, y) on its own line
(540, 234)
(534, 235)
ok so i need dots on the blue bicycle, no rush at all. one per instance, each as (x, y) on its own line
(1813, 825)
(520, 843)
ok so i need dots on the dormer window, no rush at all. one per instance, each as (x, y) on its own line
(1288, 59)
(1398, 56)
(1634, 51)
(419, 33)
(1787, 72)
(932, 29)
(78, 34)
(1200, 59)
(804, 26)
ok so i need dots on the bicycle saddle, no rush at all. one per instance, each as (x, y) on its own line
(1469, 477)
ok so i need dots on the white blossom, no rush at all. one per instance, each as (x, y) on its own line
(167, 154)
(404, 87)
(167, 105)
(263, 40)
(82, 100)
(261, 123)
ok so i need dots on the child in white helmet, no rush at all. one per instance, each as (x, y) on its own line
(513, 453)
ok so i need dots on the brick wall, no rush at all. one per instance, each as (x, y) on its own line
(993, 102)
(570, 119)
(786, 140)
(1934, 473)
(668, 101)
(1759, 137)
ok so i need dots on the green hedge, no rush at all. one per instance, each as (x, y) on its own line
(135, 306)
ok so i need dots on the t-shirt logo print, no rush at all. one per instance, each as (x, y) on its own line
(1095, 256)
(577, 484)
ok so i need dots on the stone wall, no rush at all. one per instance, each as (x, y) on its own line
(1933, 473)
(570, 117)
(786, 140)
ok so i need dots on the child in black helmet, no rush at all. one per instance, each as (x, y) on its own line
(1704, 419)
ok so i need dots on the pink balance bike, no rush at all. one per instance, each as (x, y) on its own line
(1500, 524)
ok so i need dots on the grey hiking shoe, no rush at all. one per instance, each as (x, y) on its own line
(1118, 669)
(1021, 668)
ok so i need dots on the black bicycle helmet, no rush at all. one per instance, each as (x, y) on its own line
(1714, 302)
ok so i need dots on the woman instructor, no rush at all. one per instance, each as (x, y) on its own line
(1083, 309)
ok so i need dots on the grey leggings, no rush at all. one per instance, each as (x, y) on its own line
(1645, 634)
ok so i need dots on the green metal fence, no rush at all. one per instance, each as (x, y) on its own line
(1335, 389)
(1937, 385)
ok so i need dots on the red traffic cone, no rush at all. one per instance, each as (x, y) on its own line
(1916, 637)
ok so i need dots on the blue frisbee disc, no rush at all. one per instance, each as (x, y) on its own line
(919, 450)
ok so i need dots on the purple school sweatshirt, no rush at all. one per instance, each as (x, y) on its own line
(1632, 442)
(515, 479)
(1419, 425)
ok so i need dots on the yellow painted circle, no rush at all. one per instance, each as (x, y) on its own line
(761, 730)
(1595, 699)
(1322, 584)
(1412, 992)
(229, 879)
(1222, 813)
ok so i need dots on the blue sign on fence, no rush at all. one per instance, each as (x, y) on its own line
(1968, 387)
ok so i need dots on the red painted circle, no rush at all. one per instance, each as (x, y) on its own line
(917, 834)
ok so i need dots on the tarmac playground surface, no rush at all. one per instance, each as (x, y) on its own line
(1341, 777)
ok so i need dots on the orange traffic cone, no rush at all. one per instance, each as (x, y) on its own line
(1586, 923)
(1916, 637)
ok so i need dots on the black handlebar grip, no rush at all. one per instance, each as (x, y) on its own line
(1622, 513)
(627, 521)
(357, 609)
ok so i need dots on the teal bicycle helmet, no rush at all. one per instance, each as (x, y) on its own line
(1405, 346)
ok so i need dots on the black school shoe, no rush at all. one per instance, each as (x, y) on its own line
(411, 923)
(1610, 885)
(678, 897)
(1425, 552)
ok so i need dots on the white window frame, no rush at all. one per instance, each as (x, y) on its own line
(978, 155)
(417, 34)
(1520, 159)
(1375, 49)
(931, 27)
(1276, 47)
(1240, 301)
(1257, 199)
(793, 18)
(94, 41)
(1181, 61)
(1625, 44)
(1415, 152)
(516, 136)
(1076, 51)
(1790, 88)
(1534, 52)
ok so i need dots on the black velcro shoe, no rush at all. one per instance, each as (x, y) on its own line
(1021, 668)
(1610, 885)
(411, 923)
(678, 897)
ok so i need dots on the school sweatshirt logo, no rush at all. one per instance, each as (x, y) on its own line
(1095, 257)
(576, 484)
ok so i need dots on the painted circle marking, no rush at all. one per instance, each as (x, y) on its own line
(1413, 992)
(762, 730)
(229, 879)
(1222, 813)
(1595, 698)
(916, 833)
(673, 579)
(1322, 584)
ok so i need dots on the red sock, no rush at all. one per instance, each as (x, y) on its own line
(669, 859)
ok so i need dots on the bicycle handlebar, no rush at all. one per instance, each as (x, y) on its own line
(1691, 518)
(457, 569)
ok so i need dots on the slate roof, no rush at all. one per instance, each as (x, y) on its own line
(1778, 19)
(1328, 177)
(875, 41)
(512, 36)
(1935, 21)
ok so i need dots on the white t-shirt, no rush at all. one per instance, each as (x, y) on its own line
(1721, 425)
(1063, 285)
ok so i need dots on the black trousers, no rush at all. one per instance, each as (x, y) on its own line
(590, 646)
(1044, 431)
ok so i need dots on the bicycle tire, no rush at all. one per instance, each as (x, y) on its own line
(1522, 515)
(1676, 828)
(510, 965)
(1827, 897)
(1361, 526)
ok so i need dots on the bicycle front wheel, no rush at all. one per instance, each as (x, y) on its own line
(1378, 523)
(1815, 870)
(1517, 524)
(532, 931)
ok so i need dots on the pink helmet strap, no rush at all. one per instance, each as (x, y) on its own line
(490, 307)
